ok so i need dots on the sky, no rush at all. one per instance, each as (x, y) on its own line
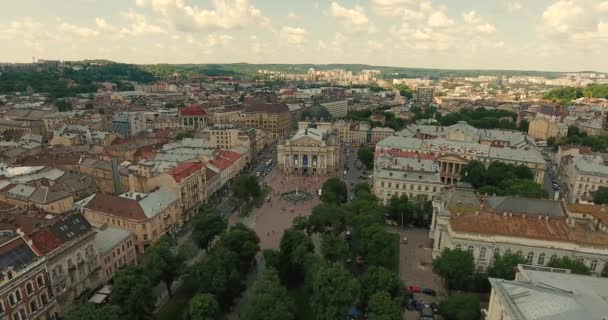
(558, 35)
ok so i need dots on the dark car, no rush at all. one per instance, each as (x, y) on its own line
(435, 307)
(417, 305)
(429, 292)
(426, 312)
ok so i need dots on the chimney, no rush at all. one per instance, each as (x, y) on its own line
(137, 197)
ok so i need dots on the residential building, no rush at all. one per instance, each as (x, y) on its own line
(148, 215)
(116, 248)
(539, 293)
(228, 136)
(583, 175)
(310, 151)
(415, 177)
(72, 259)
(337, 108)
(25, 286)
(128, 124)
(538, 230)
(273, 117)
(425, 96)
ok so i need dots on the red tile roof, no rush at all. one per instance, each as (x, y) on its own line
(221, 163)
(46, 241)
(193, 110)
(184, 170)
(230, 155)
(117, 206)
(267, 107)
(209, 174)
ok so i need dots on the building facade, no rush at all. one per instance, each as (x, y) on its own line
(128, 124)
(272, 117)
(584, 174)
(310, 151)
(116, 248)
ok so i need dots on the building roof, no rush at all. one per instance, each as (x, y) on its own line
(221, 163)
(15, 253)
(528, 206)
(267, 107)
(44, 195)
(590, 164)
(184, 170)
(133, 205)
(549, 295)
(52, 237)
(598, 212)
(107, 238)
(193, 110)
(230, 155)
(551, 229)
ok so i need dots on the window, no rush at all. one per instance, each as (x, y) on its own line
(593, 265)
(33, 305)
(482, 253)
(541, 259)
(496, 252)
(12, 300)
(480, 269)
(530, 257)
(553, 257)
(508, 251)
(1, 308)
(29, 288)
(520, 253)
(18, 295)
(40, 281)
(470, 249)
(459, 246)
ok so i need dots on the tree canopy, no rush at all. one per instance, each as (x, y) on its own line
(334, 191)
(163, 262)
(460, 306)
(576, 266)
(270, 300)
(504, 266)
(203, 306)
(455, 266)
(382, 306)
(334, 248)
(334, 290)
(502, 179)
(601, 195)
(90, 311)
(366, 156)
(295, 248)
(132, 292)
(207, 225)
(481, 118)
(380, 279)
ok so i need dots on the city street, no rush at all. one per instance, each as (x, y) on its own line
(353, 174)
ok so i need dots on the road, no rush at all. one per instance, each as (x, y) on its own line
(353, 174)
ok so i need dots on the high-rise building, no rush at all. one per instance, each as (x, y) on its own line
(425, 96)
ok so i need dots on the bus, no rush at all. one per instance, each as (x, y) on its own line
(268, 163)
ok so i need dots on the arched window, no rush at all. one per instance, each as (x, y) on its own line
(508, 251)
(496, 252)
(482, 253)
(553, 257)
(470, 249)
(541, 259)
(520, 253)
(530, 257)
(593, 265)
(29, 288)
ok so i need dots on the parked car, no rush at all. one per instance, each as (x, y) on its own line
(435, 307)
(429, 292)
(426, 312)
(414, 289)
(417, 305)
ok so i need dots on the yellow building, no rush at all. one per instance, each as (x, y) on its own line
(310, 151)
(273, 117)
(116, 248)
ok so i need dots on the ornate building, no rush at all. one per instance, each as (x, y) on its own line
(310, 151)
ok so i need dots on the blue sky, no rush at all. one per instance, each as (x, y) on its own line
(564, 35)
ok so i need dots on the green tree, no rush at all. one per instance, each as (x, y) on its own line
(326, 217)
(271, 258)
(576, 266)
(601, 196)
(474, 173)
(334, 248)
(90, 311)
(244, 242)
(334, 191)
(163, 262)
(203, 306)
(399, 206)
(404, 91)
(378, 246)
(524, 125)
(63, 105)
(132, 293)
(334, 290)
(366, 156)
(455, 267)
(247, 189)
(504, 266)
(382, 306)
(219, 275)
(207, 225)
(362, 187)
(460, 306)
(376, 279)
(295, 248)
(270, 300)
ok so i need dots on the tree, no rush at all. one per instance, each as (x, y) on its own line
(334, 191)
(203, 306)
(90, 311)
(163, 262)
(295, 248)
(362, 187)
(270, 300)
(334, 290)
(63, 105)
(326, 217)
(576, 266)
(377, 279)
(455, 267)
(366, 156)
(219, 275)
(244, 242)
(378, 246)
(207, 225)
(601, 196)
(271, 258)
(504, 266)
(399, 206)
(524, 125)
(132, 292)
(334, 248)
(88, 105)
(460, 306)
(247, 189)
(474, 173)
(382, 306)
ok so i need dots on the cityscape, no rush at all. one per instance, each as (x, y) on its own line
(232, 160)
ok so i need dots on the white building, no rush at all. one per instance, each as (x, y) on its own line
(584, 174)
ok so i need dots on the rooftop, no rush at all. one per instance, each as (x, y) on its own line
(267, 107)
(184, 170)
(193, 110)
(108, 237)
(52, 237)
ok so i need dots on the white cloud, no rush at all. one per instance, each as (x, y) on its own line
(139, 25)
(513, 6)
(439, 20)
(374, 45)
(78, 31)
(292, 16)
(102, 24)
(603, 6)
(474, 24)
(354, 19)
(562, 15)
(575, 23)
(293, 35)
(225, 14)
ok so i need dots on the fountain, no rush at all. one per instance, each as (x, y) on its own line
(296, 196)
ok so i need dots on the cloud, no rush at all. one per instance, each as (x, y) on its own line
(139, 25)
(354, 19)
(102, 24)
(292, 16)
(293, 35)
(439, 20)
(374, 45)
(209, 42)
(513, 6)
(474, 24)
(78, 31)
(563, 15)
(224, 15)
(603, 6)
(579, 23)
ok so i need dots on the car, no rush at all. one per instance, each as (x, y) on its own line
(391, 222)
(414, 289)
(429, 292)
(360, 260)
(426, 312)
(347, 235)
(435, 307)
(417, 305)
